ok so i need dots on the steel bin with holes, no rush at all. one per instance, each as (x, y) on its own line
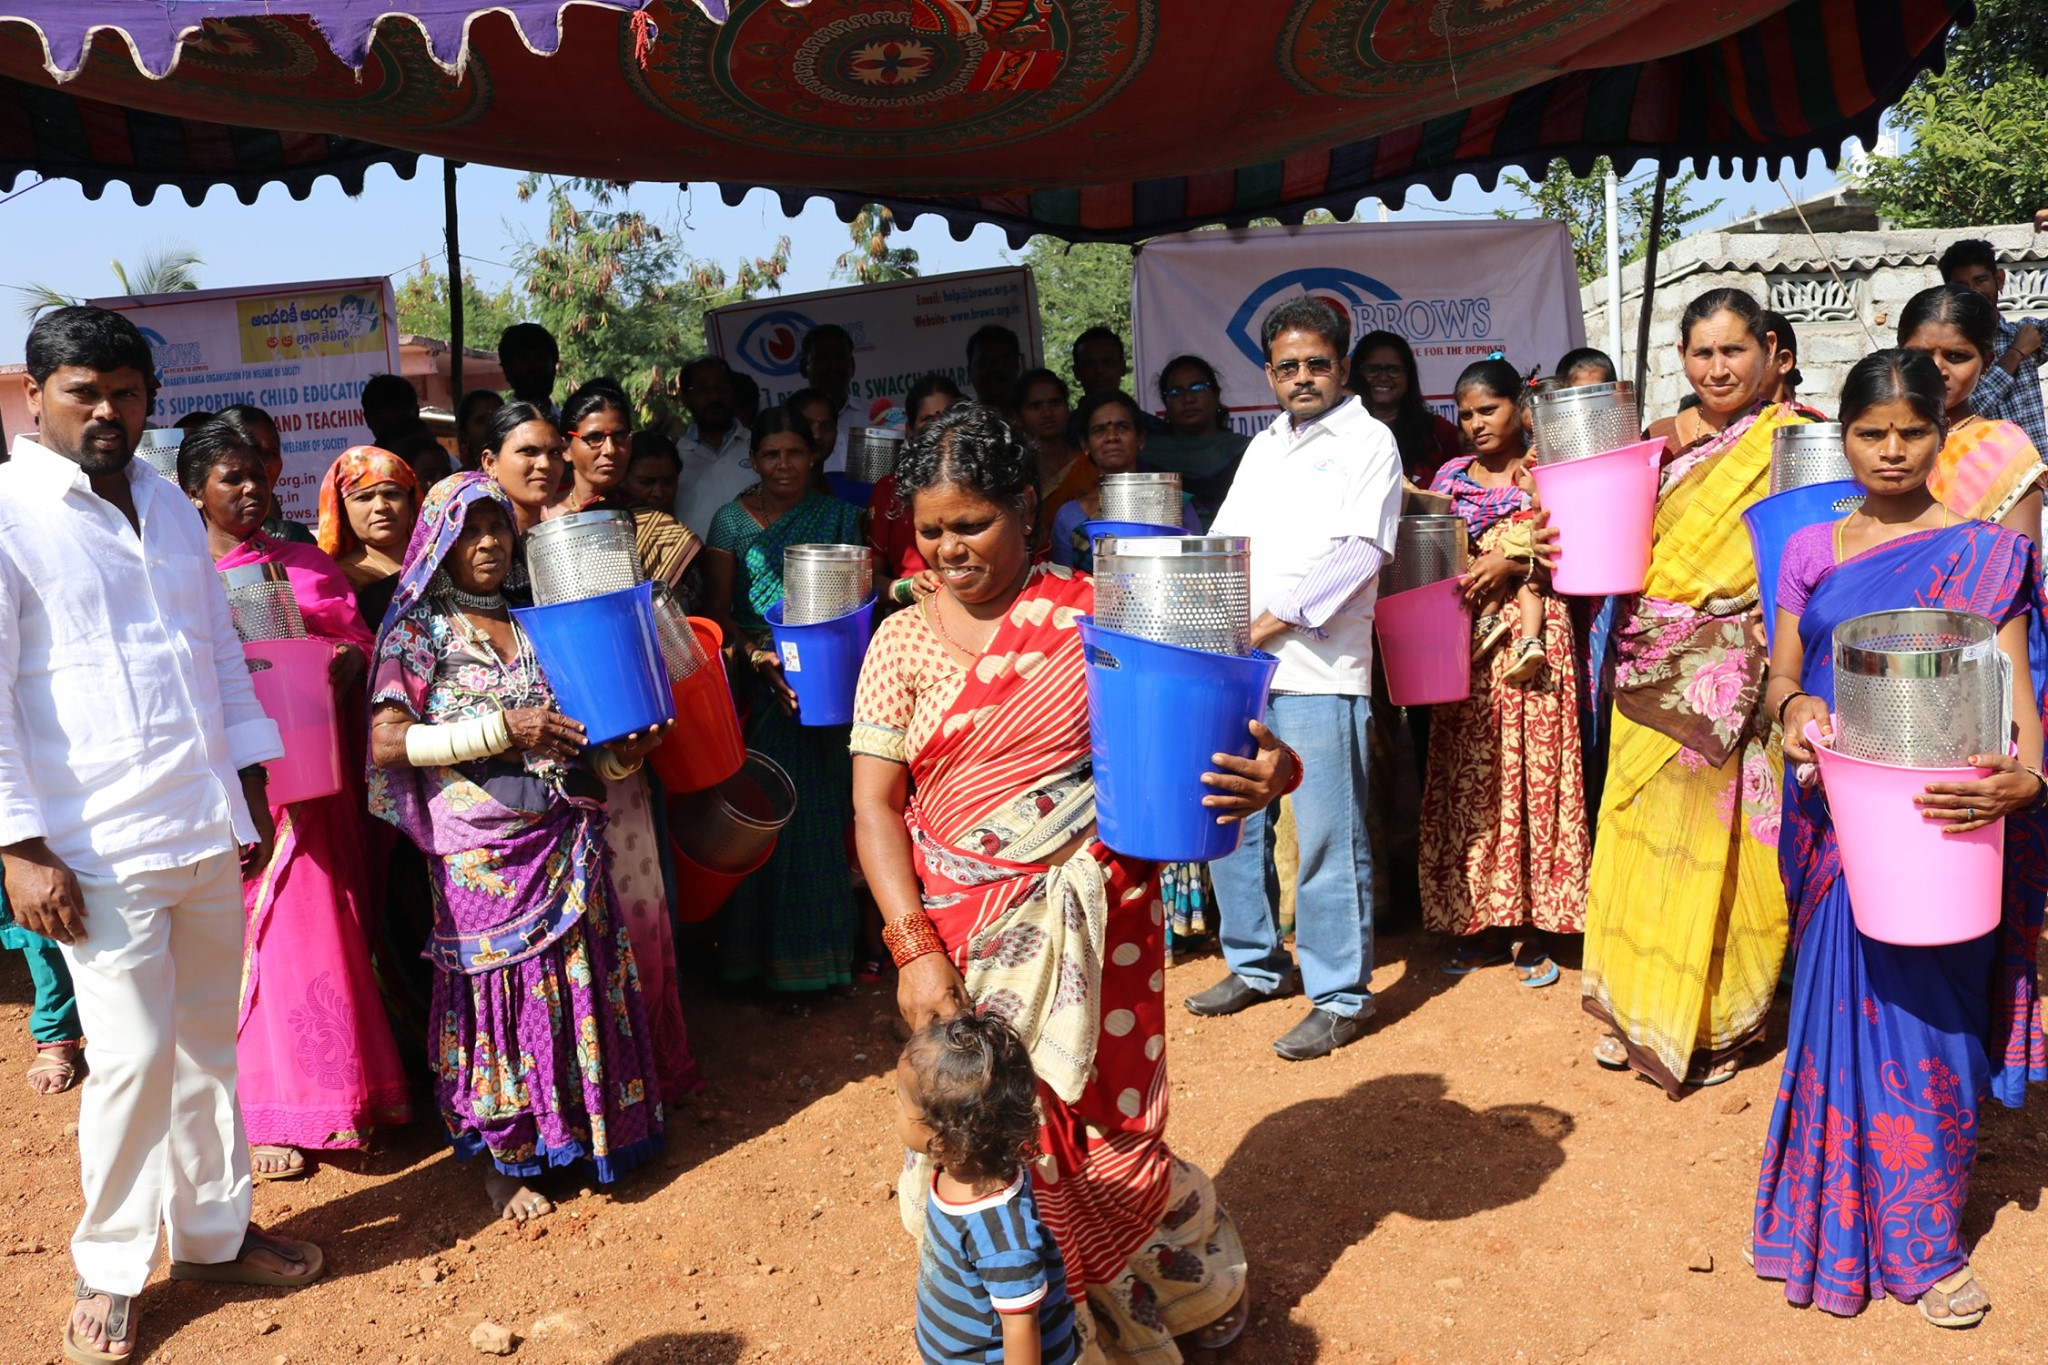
(158, 449)
(1773, 521)
(1422, 623)
(1172, 681)
(1148, 499)
(1807, 453)
(1918, 693)
(290, 675)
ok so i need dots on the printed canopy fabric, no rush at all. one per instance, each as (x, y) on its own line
(1093, 119)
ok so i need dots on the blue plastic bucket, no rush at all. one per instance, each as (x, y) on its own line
(603, 659)
(1157, 716)
(1772, 523)
(821, 662)
(849, 490)
(1133, 529)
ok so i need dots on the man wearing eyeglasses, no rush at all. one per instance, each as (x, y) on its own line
(1319, 495)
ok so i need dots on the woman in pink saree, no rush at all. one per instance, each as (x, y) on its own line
(318, 1068)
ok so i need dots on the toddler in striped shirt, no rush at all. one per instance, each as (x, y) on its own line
(991, 1286)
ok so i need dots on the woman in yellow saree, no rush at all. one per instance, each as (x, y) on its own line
(1685, 917)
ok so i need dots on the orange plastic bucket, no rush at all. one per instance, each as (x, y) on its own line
(706, 747)
(701, 892)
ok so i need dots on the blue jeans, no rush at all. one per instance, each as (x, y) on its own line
(1333, 901)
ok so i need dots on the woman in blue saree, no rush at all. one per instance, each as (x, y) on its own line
(1892, 1050)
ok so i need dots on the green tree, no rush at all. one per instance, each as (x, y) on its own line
(166, 270)
(873, 260)
(423, 308)
(1080, 285)
(620, 295)
(1974, 150)
(1580, 203)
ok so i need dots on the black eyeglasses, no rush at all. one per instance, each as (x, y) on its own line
(603, 438)
(1182, 390)
(1383, 369)
(1317, 365)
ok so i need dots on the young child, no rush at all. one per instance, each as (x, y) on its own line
(1491, 489)
(991, 1286)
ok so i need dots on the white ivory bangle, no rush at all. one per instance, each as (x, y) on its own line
(437, 746)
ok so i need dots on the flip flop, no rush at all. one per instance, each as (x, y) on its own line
(268, 1149)
(68, 1070)
(239, 1271)
(1948, 1289)
(1617, 1060)
(1546, 977)
(118, 1321)
(1463, 963)
(1212, 1338)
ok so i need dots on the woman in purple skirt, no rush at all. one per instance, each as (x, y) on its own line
(539, 1041)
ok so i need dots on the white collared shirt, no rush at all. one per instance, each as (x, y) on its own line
(1303, 495)
(712, 475)
(125, 704)
(854, 413)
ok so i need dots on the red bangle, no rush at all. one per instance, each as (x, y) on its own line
(1294, 783)
(910, 937)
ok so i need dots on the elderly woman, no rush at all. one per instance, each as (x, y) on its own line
(1685, 916)
(522, 457)
(790, 926)
(1893, 1050)
(1113, 426)
(541, 1047)
(1987, 470)
(997, 895)
(317, 1065)
(368, 501)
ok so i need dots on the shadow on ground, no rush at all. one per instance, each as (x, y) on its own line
(1313, 1180)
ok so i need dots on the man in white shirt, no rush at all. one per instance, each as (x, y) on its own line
(1319, 494)
(131, 751)
(715, 465)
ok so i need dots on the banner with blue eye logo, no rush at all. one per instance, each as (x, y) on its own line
(1454, 292)
(901, 331)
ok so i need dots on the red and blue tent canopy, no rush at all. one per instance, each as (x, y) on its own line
(1092, 119)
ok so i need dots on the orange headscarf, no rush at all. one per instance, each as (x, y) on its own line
(357, 467)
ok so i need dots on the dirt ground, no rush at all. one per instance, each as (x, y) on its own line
(1463, 1184)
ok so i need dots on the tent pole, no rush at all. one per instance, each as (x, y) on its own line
(455, 342)
(1649, 291)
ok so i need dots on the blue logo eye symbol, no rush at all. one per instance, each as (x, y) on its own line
(1344, 290)
(772, 343)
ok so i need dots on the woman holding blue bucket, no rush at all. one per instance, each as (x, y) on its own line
(1893, 1050)
(975, 794)
(540, 1042)
(791, 926)
(546, 474)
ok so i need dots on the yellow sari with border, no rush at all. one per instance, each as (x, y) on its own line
(1685, 916)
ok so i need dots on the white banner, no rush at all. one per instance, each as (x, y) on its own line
(902, 331)
(301, 352)
(1455, 291)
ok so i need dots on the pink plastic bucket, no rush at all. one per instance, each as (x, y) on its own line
(290, 678)
(1603, 507)
(1908, 882)
(1425, 639)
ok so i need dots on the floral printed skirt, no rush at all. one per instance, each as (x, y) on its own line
(549, 1060)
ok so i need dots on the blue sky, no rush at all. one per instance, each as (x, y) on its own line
(57, 236)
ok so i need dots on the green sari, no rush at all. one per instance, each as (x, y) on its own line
(792, 925)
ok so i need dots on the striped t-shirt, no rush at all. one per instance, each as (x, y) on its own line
(982, 1259)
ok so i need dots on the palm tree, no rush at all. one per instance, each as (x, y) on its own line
(168, 270)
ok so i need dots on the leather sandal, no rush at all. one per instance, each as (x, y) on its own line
(52, 1061)
(119, 1323)
(240, 1271)
(1941, 1312)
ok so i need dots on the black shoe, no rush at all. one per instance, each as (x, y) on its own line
(1321, 1033)
(1232, 994)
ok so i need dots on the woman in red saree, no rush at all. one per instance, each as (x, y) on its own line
(975, 809)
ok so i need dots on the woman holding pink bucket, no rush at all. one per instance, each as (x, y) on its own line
(318, 1066)
(1685, 915)
(1893, 1050)
(1504, 846)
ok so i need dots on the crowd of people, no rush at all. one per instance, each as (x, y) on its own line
(485, 920)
